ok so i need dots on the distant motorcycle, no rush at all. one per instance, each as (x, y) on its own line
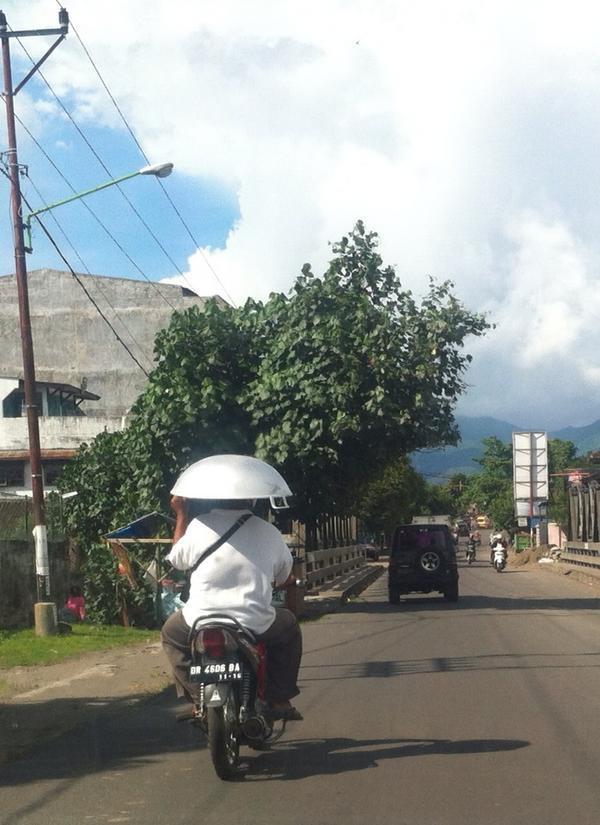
(471, 551)
(499, 556)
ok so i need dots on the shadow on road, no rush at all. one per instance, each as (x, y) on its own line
(64, 739)
(325, 757)
(473, 602)
(387, 668)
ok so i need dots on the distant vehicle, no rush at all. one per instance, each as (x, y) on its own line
(463, 528)
(431, 519)
(484, 522)
(372, 551)
(422, 559)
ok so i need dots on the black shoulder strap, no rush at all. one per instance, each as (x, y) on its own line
(215, 546)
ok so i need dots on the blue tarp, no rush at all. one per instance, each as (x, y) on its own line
(145, 527)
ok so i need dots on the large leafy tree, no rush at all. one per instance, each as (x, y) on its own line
(356, 373)
(331, 383)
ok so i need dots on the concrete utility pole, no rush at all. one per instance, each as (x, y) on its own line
(45, 611)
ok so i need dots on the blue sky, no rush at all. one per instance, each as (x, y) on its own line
(209, 208)
(466, 134)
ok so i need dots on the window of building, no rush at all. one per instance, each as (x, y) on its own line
(52, 471)
(12, 473)
(13, 406)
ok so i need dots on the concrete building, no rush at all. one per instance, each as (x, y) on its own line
(86, 379)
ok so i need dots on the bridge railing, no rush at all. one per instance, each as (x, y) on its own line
(324, 566)
(581, 554)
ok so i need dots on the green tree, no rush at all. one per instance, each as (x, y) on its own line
(393, 497)
(491, 490)
(561, 456)
(346, 374)
(356, 373)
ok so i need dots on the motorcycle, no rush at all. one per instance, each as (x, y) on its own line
(470, 551)
(499, 556)
(229, 667)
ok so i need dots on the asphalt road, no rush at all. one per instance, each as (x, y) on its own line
(487, 712)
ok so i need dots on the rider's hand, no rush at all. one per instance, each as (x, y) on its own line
(178, 504)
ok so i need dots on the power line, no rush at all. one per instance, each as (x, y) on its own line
(91, 211)
(103, 165)
(143, 154)
(77, 278)
(96, 279)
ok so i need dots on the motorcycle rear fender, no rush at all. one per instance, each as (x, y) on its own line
(216, 695)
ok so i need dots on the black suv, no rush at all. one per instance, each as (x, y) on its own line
(422, 559)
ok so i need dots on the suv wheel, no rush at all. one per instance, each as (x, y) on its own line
(430, 561)
(394, 595)
(451, 592)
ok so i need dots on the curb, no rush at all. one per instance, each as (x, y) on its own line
(357, 588)
(317, 606)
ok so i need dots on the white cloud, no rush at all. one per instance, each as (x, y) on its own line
(465, 133)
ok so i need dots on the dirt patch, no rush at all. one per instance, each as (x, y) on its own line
(546, 558)
(531, 555)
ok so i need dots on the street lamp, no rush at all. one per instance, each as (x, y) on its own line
(44, 610)
(159, 170)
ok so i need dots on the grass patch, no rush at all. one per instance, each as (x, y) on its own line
(22, 648)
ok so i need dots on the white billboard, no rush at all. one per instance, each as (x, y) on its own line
(530, 467)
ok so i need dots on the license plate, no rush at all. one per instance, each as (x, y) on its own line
(223, 670)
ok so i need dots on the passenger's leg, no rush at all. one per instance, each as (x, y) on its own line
(175, 632)
(283, 641)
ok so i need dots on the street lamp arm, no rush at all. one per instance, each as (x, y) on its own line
(159, 170)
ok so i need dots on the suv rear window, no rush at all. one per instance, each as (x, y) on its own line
(421, 537)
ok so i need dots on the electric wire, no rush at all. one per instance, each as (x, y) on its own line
(78, 279)
(90, 210)
(145, 157)
(104, 167)
(96, 279)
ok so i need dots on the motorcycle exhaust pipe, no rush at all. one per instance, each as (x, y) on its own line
(255, 728)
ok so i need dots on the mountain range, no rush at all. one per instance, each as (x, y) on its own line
(438, 465)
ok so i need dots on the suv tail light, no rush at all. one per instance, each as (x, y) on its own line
(213, 642)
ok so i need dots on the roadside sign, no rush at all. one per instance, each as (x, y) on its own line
(530, 467)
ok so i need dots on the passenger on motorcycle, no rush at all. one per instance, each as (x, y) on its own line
(238, 577)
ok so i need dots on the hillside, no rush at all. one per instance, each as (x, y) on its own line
(437, 465)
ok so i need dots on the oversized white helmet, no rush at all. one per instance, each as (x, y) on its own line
(233, 477)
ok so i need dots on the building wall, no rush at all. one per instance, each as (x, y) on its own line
(56, 432)
(18, 584)
(74, 345)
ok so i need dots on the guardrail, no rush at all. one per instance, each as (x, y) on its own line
(323, 566)
(581, 554)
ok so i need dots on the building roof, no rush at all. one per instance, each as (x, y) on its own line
(66, 389)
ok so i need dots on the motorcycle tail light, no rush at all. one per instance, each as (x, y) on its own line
(213, 642)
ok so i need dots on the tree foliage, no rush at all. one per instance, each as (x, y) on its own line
(343, 376)
(491, 490)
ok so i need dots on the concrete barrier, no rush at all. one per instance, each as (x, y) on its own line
(324, 566)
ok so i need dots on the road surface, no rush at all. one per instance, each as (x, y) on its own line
(487, 712)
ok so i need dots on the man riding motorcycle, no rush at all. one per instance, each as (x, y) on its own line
(211, 501)
(496, 538)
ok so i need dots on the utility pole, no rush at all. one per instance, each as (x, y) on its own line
(45, 611)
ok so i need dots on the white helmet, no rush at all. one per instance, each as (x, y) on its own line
(233, 477)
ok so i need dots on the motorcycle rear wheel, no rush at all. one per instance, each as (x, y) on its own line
(224, 738)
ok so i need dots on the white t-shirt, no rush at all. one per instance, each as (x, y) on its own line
(237, 579)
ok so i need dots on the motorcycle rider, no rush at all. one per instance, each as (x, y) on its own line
(471, 552)
(495, 538)
(237, 579)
